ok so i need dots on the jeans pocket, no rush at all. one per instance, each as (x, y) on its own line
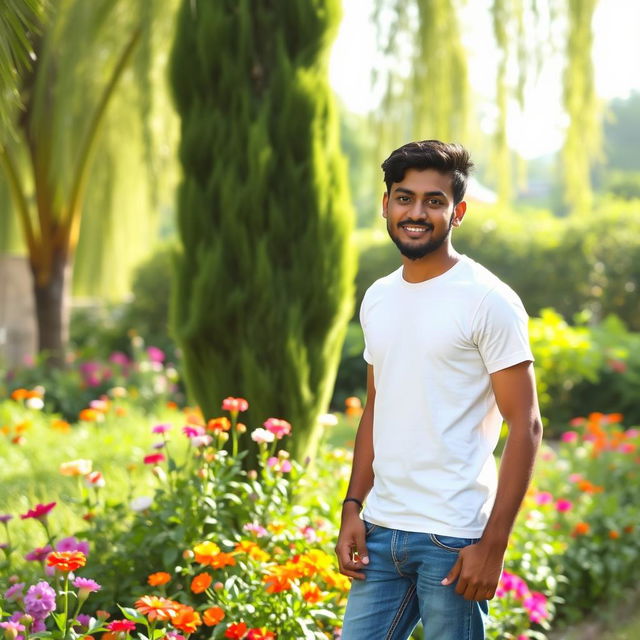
(369, 527)
(450, 543)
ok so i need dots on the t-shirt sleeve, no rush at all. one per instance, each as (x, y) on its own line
(363, 323)
(500, 329)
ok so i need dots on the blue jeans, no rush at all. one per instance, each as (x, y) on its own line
(402, 586)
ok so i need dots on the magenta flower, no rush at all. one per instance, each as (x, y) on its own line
(536, 604)
(278, 427)
(73, 544)
(85, 586)
(39, 554)
(564, 505)
(155, 354)
(14, 592)
(569, 436)
(40, 600)
(193, 432)
(544, 497)
(154, 458)
(39, 512)
(161, 428)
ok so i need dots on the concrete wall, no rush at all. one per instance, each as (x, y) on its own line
(18, 333)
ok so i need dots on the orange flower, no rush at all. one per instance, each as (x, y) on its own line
(205, 551)
(156, 608)
(353, 406)
(252, 550)
(172, 405)
(311, 592)
(218, 425)
(186, 619)
(277, 584)
(629, 528)
(336, 580)
(158, 578)
(91, 415)
(201, 583)
(581, 529)
(222, 560)
(66, 560)
(236, 630)
(213, 616)
(614, 535)
(20, 394)
(61, 425)
(589, 487)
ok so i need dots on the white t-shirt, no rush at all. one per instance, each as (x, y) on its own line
(432, 345)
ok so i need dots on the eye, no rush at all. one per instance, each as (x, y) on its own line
(434, 202)
(403, 199)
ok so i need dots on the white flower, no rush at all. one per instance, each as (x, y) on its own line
(34, 403)
(262, 435)
(328, 420)
(141, 503)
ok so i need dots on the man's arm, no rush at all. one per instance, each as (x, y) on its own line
(479, 566)
(352, 530)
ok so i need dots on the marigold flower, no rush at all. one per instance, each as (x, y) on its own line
(234, 405)
(236, 630)
(277, 583)
(201, 582)
(311, 592)
(66, 560)
(154, 458)
(186, 619)
(222, 560)
(205, 551)
(19, 394)
(613, 534)
(581, 529)
(39, 512)
(76, 467)
(218, 425)
(212, 616)
(91, 415)
(121, 626)
(158, 578)
(156, 608)
(260, 634)
(252, 550)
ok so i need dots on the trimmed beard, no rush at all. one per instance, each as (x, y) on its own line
(415, 252)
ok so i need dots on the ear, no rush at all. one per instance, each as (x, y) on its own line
(458, 213)
(385, 204)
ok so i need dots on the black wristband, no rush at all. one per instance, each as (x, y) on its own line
(353, 500)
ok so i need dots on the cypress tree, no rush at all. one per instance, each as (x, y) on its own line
(264, 278)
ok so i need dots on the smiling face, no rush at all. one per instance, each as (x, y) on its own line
(420, 212)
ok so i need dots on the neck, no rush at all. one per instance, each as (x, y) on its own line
(432, 265)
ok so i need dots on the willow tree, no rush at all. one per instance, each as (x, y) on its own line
(264, 279)
(582, 144)
(47, 163)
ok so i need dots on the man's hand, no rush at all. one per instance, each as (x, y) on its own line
(351, 548)
(478, 571)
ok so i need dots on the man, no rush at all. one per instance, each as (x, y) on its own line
(448, 357)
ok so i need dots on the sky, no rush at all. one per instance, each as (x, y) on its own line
(539, 130)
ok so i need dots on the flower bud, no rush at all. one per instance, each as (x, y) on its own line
(241, 428)
(223, 437)
(187, 554)
(252, 474)
(218, 586)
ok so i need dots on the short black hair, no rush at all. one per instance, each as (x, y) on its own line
(447, 158)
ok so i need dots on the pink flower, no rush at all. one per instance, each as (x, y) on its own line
(117, 357)
(14, 592)
(569, 436)
(234, 405)
(632, 433)
(544, 497)
(626, 447)
(85, 586)
(575, 477)
(283, 466)
(577, 422)
(154, 458)
(201, 441)
(536, 604)
(155, 354)
(193, 432)
(258, 530)
(564, 505)
(39, 512)
(278, 427)
(161, 428)
(39, 554)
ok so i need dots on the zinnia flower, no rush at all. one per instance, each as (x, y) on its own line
(85, 586)
(311, 592)
(234, 405)
(39, 512)
(563, 505)
(14, 592)
(201, 583)
(159, 578)
(278, 427)
(94, 480)
(161, 428)
(71, 543)
(219, 425)
(156, 608)
(121, 626)
(66, 560)
(236, 630)
(186, 619)
(213, 616)
(581, 529)
(154, 458)
(262, 436)
(205, 551)
(569, 436)
(39, 554)
(40, 600)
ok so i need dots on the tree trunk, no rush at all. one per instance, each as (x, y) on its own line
(52, 309)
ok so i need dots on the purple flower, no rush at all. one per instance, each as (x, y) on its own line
(86, 585)
(73, 544)
(5, 517)
(14, 592)
(40, 600)
(39, 554)
(157, 445)
(84, 621)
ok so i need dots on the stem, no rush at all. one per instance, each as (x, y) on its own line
(66, 605)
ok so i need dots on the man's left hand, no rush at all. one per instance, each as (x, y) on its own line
(478, 571)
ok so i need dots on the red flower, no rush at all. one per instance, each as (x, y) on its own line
(39, 512)
(66, 560)
(154, 458)
(236, 630)
(234, 405)
(121, 625)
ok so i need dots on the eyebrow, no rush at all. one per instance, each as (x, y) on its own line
(442, 194)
